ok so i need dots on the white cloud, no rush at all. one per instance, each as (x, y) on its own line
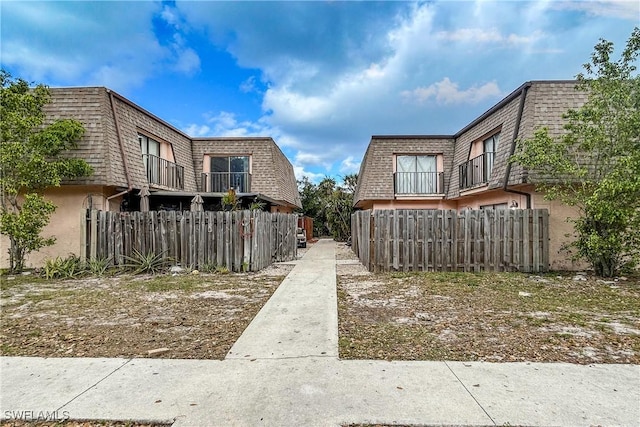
(93, 43)
(349, 166)
(625, 9)
(300, 172)
(74, 43)
(447, 92)
(197, 130)
(170, 16)
(226, 124)
(188, 61)
(307, 158)
(249, 85)
(491, 35)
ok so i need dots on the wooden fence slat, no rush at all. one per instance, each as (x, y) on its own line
(84, 238)
(526, 240)
(498, 236)
(545, 240)
(536, 240)
(448, 240)
(93, 232)
(237, 240)
(118, 240)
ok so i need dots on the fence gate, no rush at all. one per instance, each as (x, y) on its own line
(448, 240)
(239, 241)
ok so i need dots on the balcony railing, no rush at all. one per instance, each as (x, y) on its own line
(221, 182)
(476, 171)
(419, 182)
(163, 172)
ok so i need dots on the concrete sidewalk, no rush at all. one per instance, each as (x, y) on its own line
(284, 371)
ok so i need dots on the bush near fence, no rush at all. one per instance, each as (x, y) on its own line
(239, 241)
(448, 240)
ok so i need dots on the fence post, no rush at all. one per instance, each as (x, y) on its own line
(83, 235)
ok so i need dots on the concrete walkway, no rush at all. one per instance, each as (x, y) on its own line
(301, 318)
(284, 371)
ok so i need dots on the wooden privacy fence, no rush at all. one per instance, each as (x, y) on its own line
(448, 240)
(239, 241)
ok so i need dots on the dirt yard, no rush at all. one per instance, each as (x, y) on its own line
(434, 316)
(71, 423)
(186, 316)
(502, 317)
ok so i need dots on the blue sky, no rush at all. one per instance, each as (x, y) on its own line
(318, 77)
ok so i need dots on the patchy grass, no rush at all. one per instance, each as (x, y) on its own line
(489, 316)
(191, 316)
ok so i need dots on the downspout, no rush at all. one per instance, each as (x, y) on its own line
(516, 130)
(122, 152)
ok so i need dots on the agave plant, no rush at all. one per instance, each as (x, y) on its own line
(98, 266)
(63, 268)
(147, 263)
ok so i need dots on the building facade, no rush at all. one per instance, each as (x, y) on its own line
(470, 169)
(135, 154)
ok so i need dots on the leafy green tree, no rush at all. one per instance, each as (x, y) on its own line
(340, 208)
(311, 206)
(595, 164)
(31, 159)
(329, 204)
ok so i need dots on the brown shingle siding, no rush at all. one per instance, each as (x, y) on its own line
(271, 172)
(545, 104)
(375, 180)
(84, 105)
(132, 121)
(100, 146)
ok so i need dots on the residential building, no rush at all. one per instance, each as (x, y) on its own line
(132, 150)
(470, 169)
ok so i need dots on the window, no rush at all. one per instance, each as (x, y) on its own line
(157, 157)
(489, 147)
(150, 156)
(229, 172)
(417, 175)
(494, 206)
(477, 170)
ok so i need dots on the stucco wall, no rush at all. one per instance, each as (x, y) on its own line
(484, 198)
(65, 222)
(413, 204)
(560, 232)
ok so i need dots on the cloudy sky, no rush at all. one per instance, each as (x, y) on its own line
(318, 77)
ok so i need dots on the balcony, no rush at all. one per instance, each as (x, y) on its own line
(163, 172)
(221, 182)
(418, 183)
(476, 171)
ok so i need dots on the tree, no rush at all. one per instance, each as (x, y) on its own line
(340, 207)
(31, 159)
(595, 164)
(329, 204)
